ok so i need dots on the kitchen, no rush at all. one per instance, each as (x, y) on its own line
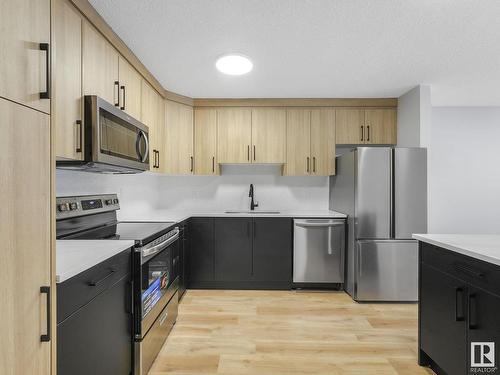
(228, 203)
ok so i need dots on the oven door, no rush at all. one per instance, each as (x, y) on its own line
(156, 281)
(113, 137)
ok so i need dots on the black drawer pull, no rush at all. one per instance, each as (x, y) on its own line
(96, 283)
(46, 48)
(46, 290)
(459, 305)
(470, 271)
(472, 311)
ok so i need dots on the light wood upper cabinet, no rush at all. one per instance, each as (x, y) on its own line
(24, 24)
(150, 103)
(100, 66)
(298, 138)
(366, 126)
(25, 257)
(268, 135)
(160, 135)
(380, 125)
(322, 142)
(205, 141)
(179, 138)
(234, 135)
(130, 88)
(349, 126)
(67, 80)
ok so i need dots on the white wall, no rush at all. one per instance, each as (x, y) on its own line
(414, 117)
(464, 170)
(147, 191)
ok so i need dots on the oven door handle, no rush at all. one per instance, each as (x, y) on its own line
(157, 248)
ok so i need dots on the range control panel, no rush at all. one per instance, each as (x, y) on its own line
(67, 207)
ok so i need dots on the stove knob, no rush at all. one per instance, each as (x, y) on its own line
(63, 207)
(108, 202)
(115, 201)
(73, 206)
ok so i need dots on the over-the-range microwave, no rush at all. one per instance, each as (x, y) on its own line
(113, 141)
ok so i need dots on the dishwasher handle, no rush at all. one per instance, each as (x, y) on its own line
(304, 224)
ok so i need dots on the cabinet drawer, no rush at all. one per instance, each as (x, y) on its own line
(473, 271)
(82, 288)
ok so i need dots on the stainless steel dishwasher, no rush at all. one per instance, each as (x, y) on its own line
(318, 252)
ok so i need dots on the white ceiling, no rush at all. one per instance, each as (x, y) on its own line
(317, 48)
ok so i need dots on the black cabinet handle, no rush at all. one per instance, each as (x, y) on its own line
(213, 164)
(314, 164)
(248, 152)
(470, 271)
(307, 165)
(192, 163)
(157, 159)
(368, 130)
(459, 305)
(117, 102)
(123, 104)
(254, 152)
(472, 311)
(362, 133)
(100, 281)
(46, 290)
(79, 147)
(46, 48)
(154, 158)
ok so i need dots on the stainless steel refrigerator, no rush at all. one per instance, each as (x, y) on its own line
(384, 192)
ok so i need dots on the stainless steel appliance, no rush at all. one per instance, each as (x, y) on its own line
(155, 264)
(318, 252)
(110, 140)
(383, 190)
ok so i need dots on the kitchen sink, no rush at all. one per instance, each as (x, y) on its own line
(256, 212)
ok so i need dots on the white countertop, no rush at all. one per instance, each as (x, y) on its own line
(484, 247)
(76, 256)
(178, 216)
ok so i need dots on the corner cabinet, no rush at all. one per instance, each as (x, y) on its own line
(310, 142)
(25, 258)
(25, 56)
(179, 138)
(459, 303)
(366, 126)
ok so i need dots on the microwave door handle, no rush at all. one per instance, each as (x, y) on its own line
(141, 134)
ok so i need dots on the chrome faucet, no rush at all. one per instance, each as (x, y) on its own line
(252, 203)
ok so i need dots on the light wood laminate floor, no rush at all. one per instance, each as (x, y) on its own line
(287, 332)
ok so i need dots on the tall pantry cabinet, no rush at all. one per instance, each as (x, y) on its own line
(26, 166)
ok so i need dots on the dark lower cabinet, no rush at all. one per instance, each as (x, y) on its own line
(272, 250)
(233, 249)
(442, 318)
(201, 255)
(97, 338)
(240, 253)
(458, 312)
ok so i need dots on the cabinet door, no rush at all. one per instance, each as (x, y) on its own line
(100, 66)
(201, 250)
(234, 133)
(268, 135)
(349, 126)
(67, 80)
(205, 141)
(483, 326)
(24, 24)
(96, 339)
(233, 249)
(149, 116)
(179, 138)
(323, 142)
(25, 258)
(272, 249)
(442, 319)
(380, 126)
(160, 135)
(298, 139)
(130, 88)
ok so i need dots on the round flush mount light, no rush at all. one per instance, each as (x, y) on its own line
(234, 64)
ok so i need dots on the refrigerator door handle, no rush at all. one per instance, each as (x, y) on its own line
(392, 200)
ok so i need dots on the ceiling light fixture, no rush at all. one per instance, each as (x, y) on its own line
(234, 64)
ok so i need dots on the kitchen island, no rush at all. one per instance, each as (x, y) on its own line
(459, 294)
